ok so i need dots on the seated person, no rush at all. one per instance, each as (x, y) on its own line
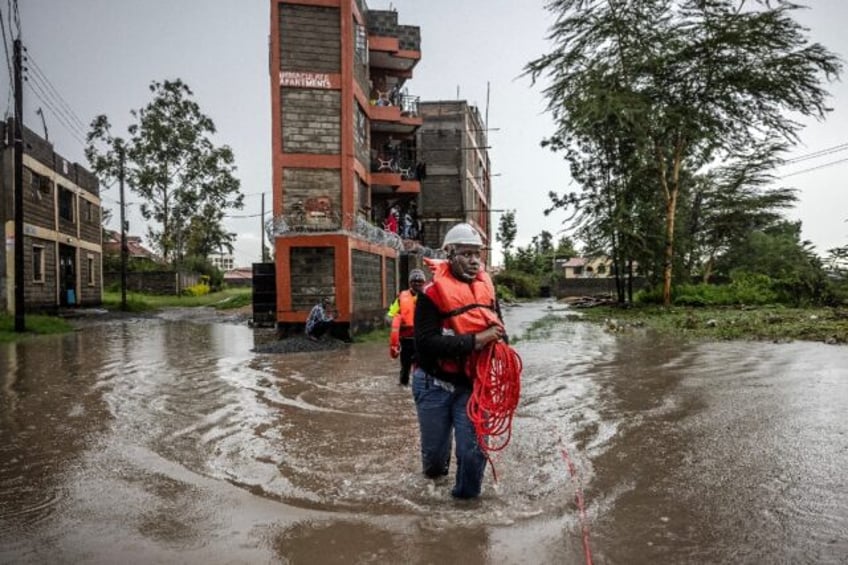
(319, 320)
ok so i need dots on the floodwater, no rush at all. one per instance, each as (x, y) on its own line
(167, 440)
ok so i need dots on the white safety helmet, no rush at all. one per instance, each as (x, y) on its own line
(462, 234)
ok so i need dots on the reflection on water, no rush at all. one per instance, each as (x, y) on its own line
(170, 439)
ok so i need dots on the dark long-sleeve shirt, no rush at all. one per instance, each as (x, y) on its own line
(431, 345)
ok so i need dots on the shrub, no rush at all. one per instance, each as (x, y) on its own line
(199, 289)
(504, 293)
(752, 288)
(653, 295)
(745, 288)
(520, 284)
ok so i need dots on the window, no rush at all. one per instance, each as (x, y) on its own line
(89, 211)
(360, 44)
(66, 204)
(37, 263)
(90, 268)
(40, 185)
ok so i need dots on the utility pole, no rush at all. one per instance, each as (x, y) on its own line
(20, 321)
(262, 228)
(124, 248)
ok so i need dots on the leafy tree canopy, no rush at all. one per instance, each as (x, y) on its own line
(186, 182)
(672, 87)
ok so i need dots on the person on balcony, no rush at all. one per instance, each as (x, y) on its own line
(392, 220)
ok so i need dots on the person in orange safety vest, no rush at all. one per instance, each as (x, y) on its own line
(402, 315)
(456, 315)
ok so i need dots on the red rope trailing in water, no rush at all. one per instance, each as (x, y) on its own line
(493, 401)
(581, 506)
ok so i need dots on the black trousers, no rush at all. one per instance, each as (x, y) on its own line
(320, 329)
(407, 356)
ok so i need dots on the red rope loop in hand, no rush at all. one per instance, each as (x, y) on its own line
(497, 385)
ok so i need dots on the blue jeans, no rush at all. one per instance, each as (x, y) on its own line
(439, 411)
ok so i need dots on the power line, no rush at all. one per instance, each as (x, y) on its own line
(830, 164)
(58, 112)
(6, 50)
(242, 216)
(815, 154)
(62, 120)
(37, 71)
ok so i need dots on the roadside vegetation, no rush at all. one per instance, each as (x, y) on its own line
(35, 325)
(773, 323)
(226, 299)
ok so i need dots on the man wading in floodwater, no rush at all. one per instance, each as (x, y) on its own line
(456, 314)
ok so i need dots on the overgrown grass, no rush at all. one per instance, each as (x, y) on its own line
(539, 329)
(137, 302)
(35, 325)
(775, 323)
(374, 336)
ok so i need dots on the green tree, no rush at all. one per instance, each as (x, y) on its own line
(687, 83)
(507, 230)
(186, 183)
(778, 252)
(729, 203)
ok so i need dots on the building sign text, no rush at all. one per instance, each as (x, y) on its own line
(305, 80)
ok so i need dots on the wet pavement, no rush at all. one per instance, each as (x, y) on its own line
(169, 440)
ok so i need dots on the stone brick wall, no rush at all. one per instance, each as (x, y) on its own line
(312, 275)
(361, 134)
(391, 280)
(314, 188)
(310, 39)
(382, 22)
(385, 23)
(443, 196)
(311, 120)
(367, 281)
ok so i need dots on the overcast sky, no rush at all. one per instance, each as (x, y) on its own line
(101, 55)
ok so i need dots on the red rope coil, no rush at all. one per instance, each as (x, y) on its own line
(497, 386)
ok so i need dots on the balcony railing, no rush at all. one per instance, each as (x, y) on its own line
(399, 159)
(409, 105)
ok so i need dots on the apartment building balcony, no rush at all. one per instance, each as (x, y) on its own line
(395, 114)
(395, 167)
(397, 180)
(392, 46)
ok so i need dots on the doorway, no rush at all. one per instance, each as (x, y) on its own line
(67, 275)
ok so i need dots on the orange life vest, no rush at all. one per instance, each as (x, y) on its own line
(407, 313)
(403, 322)
(466, 308)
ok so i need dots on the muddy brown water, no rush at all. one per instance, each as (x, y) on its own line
(167, 440)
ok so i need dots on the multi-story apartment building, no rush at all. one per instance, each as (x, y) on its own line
(457, 186)
(344, 158)
(62, 228)
(223, 262)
